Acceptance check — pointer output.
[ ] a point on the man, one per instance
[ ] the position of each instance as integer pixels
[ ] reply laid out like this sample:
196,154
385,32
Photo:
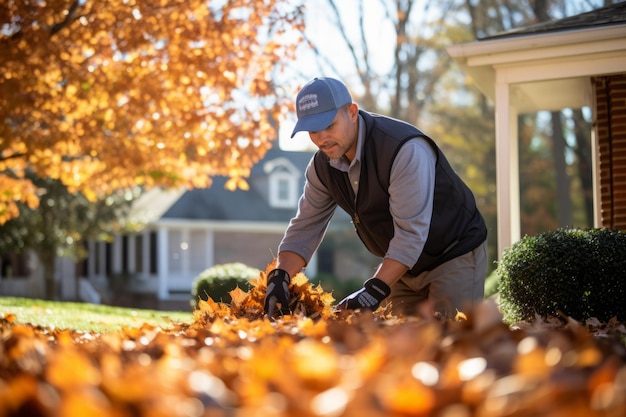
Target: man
407,206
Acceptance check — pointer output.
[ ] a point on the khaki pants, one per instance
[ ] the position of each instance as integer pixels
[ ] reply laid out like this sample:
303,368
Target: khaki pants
457,285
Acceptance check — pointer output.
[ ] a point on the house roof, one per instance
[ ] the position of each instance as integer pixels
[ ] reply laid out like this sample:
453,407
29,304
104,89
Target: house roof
216,203
152,204
611,15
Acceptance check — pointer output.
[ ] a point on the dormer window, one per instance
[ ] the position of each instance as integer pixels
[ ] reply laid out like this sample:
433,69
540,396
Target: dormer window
284,192
283,183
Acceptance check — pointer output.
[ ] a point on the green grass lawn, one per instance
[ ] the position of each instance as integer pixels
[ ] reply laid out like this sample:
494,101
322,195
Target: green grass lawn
84,316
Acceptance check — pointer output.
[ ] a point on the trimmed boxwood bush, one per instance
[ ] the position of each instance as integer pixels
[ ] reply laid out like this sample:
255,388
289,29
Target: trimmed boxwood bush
569,272
217,281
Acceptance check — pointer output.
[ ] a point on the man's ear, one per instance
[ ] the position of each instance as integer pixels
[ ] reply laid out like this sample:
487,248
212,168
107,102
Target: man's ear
353,111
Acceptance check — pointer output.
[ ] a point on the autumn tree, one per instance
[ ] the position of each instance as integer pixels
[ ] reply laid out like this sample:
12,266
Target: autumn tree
61,223
110,95
538,200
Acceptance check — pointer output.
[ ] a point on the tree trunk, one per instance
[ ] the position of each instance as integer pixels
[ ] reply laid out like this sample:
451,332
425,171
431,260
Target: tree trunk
48,264
582,132
564,204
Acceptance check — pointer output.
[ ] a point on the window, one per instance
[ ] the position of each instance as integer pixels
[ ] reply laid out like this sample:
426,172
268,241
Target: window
283,183
197,250
15,265
175,248
284,189
153,252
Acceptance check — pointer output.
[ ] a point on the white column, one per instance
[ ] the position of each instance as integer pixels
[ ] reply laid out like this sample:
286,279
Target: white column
595,165
145,254
185,254
117,254
132,252
209,248
595,175
162,263
507,169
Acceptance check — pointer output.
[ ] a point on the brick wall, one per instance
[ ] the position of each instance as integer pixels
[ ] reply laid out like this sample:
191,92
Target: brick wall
610,99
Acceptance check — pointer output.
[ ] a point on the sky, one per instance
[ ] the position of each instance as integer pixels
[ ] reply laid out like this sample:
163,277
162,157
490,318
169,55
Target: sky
322,29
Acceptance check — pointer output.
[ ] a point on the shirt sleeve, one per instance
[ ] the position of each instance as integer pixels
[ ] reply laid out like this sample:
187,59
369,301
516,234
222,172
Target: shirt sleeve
315,209
411,191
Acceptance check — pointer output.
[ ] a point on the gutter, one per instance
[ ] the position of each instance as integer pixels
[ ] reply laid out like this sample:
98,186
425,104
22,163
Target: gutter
490,47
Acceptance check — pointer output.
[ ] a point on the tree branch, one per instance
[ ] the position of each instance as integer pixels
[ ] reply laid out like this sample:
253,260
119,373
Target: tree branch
69,17
344,35
12,156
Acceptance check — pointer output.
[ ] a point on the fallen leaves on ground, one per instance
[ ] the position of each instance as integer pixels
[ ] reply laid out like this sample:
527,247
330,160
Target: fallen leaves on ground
233,361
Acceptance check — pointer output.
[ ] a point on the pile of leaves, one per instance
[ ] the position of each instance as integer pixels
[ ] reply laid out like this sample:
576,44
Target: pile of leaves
306,300
233,361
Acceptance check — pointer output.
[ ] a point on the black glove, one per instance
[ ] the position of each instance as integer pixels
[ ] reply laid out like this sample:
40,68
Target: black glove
369,297
277,292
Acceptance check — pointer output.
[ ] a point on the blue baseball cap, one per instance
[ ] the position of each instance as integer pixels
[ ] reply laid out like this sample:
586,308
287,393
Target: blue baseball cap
317,104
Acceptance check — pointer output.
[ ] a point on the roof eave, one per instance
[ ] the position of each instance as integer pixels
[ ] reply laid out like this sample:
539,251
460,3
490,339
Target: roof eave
479,59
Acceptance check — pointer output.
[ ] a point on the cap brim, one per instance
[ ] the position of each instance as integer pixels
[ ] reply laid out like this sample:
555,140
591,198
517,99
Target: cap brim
314,122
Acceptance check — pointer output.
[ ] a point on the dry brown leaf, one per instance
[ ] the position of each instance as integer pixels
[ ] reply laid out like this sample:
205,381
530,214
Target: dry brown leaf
233,361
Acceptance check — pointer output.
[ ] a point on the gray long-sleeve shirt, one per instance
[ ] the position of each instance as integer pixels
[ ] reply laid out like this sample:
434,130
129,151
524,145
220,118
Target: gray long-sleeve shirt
411,192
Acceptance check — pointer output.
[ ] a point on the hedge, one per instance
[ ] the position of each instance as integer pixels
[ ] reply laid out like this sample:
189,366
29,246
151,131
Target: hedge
569,272
217,281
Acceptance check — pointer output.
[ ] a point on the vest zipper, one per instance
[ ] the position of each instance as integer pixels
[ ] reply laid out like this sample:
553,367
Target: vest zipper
355,219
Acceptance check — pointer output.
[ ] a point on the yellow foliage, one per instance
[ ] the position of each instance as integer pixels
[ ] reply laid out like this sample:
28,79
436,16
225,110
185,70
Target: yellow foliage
306,301
106,95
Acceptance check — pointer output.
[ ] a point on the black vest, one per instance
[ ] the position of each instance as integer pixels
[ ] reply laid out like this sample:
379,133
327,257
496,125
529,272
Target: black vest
456,227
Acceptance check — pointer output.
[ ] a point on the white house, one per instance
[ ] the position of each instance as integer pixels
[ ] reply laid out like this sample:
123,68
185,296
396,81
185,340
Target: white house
187,231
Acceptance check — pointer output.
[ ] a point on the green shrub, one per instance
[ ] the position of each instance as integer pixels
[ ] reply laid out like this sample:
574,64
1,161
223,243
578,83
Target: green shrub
217,281
569,272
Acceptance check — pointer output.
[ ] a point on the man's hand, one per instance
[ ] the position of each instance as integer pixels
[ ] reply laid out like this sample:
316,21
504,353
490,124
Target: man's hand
277,292
369,297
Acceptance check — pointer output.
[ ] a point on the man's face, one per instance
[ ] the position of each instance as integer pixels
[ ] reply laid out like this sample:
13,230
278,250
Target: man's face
340,137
